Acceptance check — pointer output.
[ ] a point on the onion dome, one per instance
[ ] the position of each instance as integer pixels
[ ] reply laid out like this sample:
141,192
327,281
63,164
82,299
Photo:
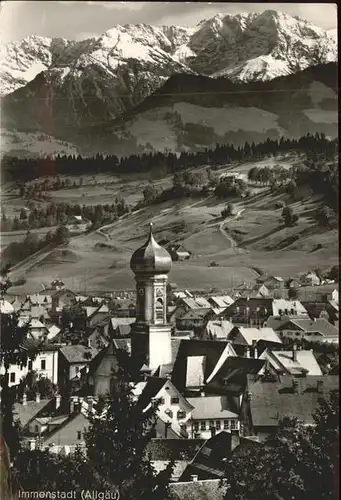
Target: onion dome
151,258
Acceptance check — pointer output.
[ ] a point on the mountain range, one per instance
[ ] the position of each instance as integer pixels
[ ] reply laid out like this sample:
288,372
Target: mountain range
140,87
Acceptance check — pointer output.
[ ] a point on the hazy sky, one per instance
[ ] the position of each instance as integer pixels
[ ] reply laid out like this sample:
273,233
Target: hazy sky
79,20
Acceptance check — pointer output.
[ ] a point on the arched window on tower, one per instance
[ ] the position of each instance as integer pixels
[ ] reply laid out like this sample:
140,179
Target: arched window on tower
159,309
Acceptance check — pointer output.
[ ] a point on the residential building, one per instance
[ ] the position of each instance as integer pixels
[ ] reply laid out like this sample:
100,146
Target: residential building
173,409
295,362
220,303
195,361
211,459
313,330
310,279
266,403
195,319
210,415
72,359
45,363
251,337
178,252
182,451
219,329
272,282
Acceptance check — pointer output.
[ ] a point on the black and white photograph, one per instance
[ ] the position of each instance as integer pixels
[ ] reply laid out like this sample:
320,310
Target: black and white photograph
169,296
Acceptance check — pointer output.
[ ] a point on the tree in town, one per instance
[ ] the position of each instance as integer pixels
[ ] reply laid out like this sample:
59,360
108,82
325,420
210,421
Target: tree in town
298,462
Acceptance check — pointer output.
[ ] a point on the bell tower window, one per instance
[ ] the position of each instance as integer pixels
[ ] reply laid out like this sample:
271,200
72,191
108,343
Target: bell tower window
159,310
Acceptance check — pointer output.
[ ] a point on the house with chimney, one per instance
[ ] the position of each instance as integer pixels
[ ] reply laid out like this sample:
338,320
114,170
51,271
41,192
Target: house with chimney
296,363
218,329
250,312
312,330
243,339
265,403
272,282
310,279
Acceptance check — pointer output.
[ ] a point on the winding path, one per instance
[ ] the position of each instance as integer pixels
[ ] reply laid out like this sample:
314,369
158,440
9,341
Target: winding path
232,242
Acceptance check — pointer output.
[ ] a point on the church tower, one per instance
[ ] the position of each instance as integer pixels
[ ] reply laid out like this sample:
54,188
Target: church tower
151,334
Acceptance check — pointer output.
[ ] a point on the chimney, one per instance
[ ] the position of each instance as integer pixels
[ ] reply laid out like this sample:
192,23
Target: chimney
90,401
24,399
72,404
194,478
319,386
37,397
295,386
58,398
235,439
294,352
167,426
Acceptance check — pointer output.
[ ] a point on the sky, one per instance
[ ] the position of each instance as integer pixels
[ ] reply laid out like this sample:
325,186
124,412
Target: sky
80,20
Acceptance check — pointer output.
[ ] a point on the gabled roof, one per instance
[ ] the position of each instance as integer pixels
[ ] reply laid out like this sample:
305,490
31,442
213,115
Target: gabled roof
109,352
198,490
166,449
251,335
317,325
196,302
78,353
196,314
211,407
221,301
220,329
116,322
305,361
235,370
26,413
65,434
283,305
152,387
272,401
211,350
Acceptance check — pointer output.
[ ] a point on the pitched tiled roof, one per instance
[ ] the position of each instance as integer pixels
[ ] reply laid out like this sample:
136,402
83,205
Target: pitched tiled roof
166,449
25,413
220,329
196,314
109,352
305,361
257,334
198,490
234,372
272,401
78,353
210,349
319,325
211,407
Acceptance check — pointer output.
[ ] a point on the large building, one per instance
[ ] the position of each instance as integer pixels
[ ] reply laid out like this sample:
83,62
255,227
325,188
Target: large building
151,333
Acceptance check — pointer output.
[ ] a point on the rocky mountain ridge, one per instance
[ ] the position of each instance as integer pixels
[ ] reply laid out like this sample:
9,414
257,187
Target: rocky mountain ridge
58,86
